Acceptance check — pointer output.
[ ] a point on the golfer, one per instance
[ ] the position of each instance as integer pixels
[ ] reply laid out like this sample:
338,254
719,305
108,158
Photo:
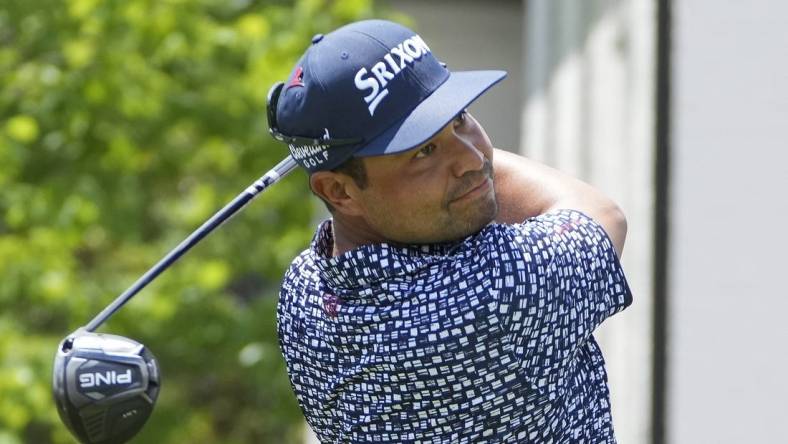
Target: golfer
453,294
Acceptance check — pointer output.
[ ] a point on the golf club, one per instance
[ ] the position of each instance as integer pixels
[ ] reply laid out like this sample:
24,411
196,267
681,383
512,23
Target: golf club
105,386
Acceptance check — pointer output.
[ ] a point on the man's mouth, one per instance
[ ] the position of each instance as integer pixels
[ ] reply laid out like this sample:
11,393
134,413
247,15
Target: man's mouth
478,189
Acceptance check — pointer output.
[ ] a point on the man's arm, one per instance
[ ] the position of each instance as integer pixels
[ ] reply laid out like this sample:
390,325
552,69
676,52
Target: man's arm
526,188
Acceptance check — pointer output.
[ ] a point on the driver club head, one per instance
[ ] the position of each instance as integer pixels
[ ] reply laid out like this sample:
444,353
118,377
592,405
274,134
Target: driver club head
105,386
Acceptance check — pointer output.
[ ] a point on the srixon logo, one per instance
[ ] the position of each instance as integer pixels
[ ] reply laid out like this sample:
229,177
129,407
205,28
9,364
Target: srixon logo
109,377
378,76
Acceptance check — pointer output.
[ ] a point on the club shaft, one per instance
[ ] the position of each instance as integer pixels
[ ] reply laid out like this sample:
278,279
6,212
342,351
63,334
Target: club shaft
271,177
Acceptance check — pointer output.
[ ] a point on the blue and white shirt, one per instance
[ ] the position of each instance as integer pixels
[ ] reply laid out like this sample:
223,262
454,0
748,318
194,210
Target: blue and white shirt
483,340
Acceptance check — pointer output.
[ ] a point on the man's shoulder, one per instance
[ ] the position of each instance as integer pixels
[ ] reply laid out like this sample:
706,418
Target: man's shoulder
551,223
542,235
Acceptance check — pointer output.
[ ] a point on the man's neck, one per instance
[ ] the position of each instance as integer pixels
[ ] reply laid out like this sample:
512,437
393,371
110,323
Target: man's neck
350,233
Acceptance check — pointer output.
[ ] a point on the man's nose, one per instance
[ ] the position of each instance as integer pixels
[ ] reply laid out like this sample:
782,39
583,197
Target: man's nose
465,156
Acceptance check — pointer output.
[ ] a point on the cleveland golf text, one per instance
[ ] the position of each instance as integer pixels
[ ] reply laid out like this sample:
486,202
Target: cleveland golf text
408,52
310,155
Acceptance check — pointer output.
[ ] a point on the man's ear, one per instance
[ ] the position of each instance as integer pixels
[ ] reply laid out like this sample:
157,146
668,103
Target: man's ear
338,190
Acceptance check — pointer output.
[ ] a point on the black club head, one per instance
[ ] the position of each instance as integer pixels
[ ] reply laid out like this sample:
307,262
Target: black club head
105,386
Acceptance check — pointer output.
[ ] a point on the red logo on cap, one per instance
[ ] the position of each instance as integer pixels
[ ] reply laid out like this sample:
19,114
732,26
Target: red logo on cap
298,78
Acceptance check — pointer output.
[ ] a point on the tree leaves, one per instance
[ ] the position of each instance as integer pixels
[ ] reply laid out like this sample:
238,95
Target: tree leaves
123,125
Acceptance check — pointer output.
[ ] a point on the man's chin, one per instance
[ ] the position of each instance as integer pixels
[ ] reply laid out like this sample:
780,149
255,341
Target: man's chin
476,218
455,226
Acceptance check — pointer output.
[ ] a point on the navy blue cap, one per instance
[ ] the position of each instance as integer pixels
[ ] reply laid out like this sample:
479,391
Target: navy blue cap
369,88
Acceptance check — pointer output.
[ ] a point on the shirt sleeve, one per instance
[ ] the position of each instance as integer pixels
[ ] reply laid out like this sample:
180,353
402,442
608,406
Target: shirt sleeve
570,280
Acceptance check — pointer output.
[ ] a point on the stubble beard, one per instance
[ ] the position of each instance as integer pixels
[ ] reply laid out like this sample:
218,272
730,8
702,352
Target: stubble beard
450,221
473,218
464,221
450,225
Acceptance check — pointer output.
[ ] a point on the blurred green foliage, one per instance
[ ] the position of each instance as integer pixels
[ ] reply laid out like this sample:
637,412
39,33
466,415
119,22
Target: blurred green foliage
124,124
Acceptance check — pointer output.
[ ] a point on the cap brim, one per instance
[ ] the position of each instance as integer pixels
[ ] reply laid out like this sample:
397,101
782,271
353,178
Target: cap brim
432,114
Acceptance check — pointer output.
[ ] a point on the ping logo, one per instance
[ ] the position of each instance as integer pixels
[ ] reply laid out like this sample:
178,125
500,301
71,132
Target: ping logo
110,377
407,52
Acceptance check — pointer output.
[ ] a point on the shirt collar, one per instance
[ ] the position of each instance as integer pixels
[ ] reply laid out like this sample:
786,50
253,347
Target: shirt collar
367,264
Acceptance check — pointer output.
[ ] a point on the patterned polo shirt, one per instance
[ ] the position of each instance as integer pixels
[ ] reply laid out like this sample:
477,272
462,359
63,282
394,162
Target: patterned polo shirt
484,340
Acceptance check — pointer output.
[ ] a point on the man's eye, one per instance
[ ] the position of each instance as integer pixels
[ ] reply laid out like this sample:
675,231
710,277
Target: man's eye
425,151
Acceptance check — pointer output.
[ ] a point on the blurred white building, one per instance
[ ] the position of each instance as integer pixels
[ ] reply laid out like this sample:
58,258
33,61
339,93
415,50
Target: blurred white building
679,110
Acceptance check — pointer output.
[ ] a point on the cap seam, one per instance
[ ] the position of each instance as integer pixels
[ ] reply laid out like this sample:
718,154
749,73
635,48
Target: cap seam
314,75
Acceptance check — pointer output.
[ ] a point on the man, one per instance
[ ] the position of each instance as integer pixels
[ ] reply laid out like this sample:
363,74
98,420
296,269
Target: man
453,294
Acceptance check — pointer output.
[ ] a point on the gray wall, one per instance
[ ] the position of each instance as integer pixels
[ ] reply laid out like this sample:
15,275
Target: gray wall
728,344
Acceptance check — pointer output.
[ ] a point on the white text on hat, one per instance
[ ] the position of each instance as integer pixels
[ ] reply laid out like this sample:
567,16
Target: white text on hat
408,51
309,155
